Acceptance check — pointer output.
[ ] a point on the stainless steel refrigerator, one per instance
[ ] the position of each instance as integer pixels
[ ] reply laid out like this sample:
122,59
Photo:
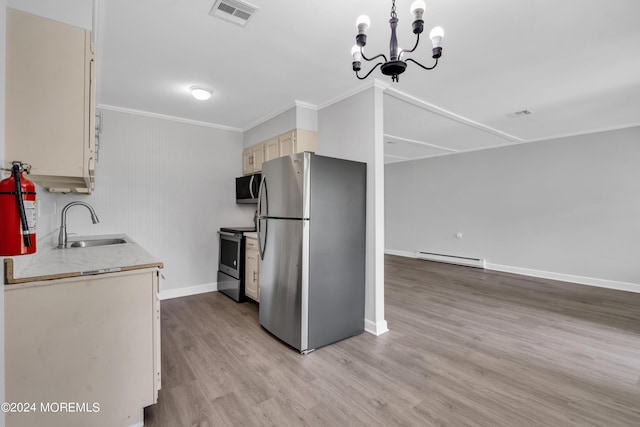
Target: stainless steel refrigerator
311,236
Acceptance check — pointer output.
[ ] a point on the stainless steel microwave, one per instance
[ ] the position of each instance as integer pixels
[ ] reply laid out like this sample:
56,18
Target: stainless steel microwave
247,188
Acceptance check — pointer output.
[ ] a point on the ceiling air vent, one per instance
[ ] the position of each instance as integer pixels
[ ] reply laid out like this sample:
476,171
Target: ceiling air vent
234,11
520,113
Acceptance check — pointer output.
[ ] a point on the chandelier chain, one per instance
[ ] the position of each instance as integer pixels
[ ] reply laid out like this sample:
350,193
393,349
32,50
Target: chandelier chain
393,9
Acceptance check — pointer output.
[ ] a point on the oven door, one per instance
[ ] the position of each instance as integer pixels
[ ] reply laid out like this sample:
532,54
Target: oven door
230,251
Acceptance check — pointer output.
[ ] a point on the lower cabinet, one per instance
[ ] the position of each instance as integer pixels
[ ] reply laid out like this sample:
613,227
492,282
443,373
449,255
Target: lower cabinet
252,269
83,351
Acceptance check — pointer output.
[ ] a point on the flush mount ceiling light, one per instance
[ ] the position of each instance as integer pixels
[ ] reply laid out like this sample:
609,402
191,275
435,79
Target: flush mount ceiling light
395,65
199,93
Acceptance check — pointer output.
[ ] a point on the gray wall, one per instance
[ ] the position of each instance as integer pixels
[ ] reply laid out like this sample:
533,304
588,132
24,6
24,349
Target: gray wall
569,206
168,185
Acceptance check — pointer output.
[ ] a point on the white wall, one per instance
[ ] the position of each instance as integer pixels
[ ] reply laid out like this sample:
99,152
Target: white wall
568,206
72,12
296,117
3,8
274,126
306,118
352,129
170,186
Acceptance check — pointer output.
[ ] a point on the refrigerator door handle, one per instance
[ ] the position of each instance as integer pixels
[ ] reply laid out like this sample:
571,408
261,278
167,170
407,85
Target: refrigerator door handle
263,188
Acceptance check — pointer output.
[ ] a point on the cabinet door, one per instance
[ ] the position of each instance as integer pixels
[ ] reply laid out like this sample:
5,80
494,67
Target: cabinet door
157,362
287,143
91,137
247,161
306,140
48,100
96,337
251,287
258,157
271,149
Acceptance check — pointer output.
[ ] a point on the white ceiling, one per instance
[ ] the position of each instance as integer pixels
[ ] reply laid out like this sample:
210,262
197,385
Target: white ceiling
574,63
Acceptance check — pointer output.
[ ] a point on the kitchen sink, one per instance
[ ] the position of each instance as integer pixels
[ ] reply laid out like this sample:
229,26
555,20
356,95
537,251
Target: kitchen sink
88,243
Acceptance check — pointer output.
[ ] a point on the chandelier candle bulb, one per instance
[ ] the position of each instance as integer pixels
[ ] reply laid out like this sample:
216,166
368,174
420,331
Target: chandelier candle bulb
417,10
355,52
363,22
436,35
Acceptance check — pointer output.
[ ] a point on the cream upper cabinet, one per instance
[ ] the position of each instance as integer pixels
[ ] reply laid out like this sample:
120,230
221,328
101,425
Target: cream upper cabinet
297,141
258,157
50,101
294,141
271,149
287,143
252,159
303,140
252,270
247,161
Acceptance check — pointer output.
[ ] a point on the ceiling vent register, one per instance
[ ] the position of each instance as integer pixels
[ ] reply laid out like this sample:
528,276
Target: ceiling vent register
234,11
520,113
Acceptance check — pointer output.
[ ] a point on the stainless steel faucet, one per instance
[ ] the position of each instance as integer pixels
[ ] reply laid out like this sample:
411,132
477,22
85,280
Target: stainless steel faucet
62,237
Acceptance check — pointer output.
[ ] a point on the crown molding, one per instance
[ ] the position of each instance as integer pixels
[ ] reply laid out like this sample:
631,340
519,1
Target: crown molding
450,115
416,142
306,105
166,117
586,132
375,83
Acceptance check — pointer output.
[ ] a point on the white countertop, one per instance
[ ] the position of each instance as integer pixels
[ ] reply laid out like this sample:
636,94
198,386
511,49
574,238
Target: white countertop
251,235
51,263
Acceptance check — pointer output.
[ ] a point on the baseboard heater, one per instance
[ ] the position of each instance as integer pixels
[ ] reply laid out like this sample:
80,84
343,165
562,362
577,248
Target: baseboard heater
452,259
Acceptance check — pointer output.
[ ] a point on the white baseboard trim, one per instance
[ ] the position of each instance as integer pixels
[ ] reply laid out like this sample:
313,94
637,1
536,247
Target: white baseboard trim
581,280
590,281
374,328
400,253
191,290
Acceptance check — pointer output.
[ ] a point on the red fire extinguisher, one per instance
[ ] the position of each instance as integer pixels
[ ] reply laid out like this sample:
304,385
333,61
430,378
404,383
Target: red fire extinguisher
17,213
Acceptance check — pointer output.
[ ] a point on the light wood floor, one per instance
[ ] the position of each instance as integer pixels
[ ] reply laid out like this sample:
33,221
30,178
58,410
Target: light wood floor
466,347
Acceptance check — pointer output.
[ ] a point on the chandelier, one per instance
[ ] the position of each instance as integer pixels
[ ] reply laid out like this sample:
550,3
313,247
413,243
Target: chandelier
395,65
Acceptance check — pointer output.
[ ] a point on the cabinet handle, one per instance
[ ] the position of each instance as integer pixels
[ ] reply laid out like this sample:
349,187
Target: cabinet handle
254,276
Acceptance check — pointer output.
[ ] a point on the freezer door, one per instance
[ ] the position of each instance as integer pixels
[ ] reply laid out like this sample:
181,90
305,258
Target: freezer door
281,280
337,249
282,194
